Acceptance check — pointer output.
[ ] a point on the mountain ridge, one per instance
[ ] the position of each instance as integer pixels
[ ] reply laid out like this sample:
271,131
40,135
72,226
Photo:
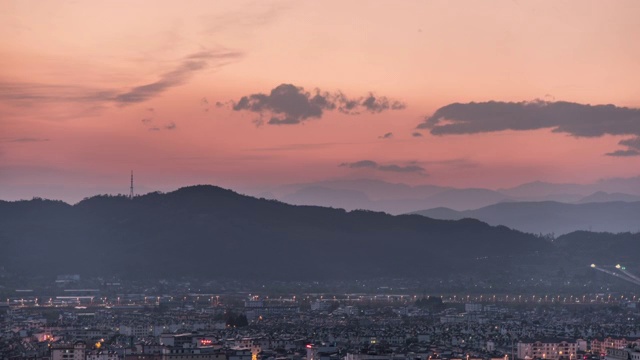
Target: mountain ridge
217,232
551,216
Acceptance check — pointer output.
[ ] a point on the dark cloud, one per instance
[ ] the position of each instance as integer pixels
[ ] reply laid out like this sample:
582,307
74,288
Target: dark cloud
370,164
170,126
580,120
288,104
633,143
388,135
154,128
404,169
622,153
346,105
416,134
361,164
376,105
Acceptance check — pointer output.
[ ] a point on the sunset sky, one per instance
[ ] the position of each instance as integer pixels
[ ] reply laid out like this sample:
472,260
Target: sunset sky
252,94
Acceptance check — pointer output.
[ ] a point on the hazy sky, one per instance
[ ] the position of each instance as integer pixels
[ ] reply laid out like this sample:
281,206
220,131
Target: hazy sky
242,94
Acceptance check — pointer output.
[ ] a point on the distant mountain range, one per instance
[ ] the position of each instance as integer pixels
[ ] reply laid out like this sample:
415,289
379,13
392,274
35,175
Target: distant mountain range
553,217
206,231
401,198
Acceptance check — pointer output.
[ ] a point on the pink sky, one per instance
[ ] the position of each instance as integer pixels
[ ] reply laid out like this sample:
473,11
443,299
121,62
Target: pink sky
62,64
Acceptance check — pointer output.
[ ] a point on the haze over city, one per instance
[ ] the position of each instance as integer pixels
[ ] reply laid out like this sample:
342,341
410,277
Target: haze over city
253,95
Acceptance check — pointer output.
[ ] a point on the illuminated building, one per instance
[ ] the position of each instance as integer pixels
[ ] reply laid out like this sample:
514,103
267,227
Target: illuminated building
552,349
600,346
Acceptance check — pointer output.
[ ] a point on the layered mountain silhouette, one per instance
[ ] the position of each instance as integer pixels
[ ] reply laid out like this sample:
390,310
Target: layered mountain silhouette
211,232
409,199
396,198
552,217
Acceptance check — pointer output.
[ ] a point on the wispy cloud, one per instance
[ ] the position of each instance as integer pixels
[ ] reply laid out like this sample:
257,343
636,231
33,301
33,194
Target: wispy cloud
151,123
178,76
301,146
204,104
456,163
580,120
288,104
33,94
388,135
251,17
25,140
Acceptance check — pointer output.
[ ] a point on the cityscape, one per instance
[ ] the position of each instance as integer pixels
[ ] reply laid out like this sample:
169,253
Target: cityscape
319,180
191,319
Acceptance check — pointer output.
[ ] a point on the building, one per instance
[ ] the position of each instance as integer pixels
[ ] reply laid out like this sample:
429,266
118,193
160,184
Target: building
469,307
199,353
552,349
75,351
623,354
600,346
101,355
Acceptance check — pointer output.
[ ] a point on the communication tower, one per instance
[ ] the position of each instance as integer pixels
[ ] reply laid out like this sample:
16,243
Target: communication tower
131,188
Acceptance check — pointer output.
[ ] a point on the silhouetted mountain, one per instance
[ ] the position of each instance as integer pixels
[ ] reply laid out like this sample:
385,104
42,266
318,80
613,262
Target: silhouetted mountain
213,232
541,189
366,194
601,248
321,196
602,196
551,217
624,185
461,199
395,198
350,199
382,196
375,190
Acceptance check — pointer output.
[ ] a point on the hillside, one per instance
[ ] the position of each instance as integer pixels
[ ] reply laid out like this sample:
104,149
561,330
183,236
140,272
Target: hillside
208,231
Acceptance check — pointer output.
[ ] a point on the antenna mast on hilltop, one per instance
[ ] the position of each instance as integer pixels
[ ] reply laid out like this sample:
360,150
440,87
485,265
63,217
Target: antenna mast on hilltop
131,188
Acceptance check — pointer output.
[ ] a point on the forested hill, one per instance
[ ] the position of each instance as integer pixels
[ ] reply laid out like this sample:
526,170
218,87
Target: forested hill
209,231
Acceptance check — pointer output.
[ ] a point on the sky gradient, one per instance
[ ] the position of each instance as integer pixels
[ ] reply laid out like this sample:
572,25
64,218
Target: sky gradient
250,94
